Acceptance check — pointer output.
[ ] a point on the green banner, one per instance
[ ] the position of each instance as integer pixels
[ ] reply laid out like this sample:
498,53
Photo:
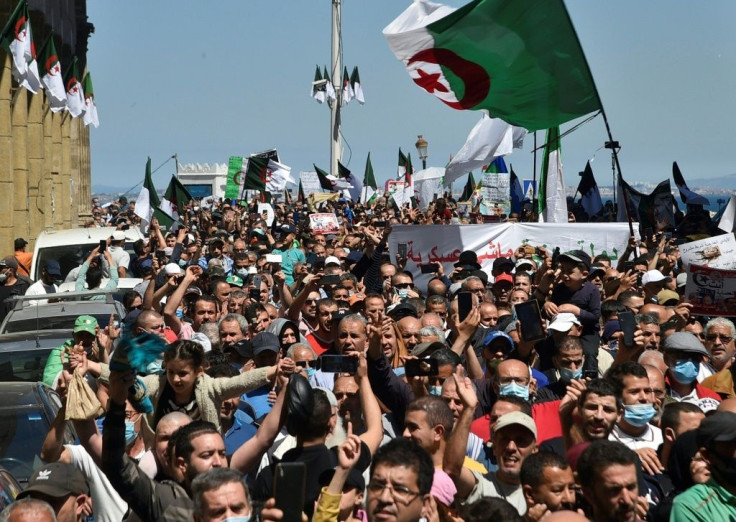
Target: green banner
234,177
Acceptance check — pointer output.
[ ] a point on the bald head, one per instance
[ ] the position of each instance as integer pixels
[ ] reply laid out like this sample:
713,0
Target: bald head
656,310
565,516
431,319
653,358
409,329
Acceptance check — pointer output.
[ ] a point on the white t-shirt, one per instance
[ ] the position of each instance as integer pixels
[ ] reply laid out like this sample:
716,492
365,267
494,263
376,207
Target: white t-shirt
120,257
39,288
651,438
106,503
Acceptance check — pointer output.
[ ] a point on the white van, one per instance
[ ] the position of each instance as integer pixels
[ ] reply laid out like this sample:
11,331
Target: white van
70,247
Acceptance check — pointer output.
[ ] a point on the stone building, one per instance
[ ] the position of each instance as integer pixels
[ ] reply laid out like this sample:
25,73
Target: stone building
45,178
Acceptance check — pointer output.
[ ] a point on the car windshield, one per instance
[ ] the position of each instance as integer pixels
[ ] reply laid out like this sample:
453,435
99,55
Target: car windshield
23,365
22,432
69,256
60,322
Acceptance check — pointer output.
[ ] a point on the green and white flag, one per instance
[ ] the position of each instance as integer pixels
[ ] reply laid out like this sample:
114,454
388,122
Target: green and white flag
51,76
74,92
347,88
401,170
277,177
147,204
552,202
519,60
357,86
369,193
318,91
17,39
90,107
175,200
329,87
235,175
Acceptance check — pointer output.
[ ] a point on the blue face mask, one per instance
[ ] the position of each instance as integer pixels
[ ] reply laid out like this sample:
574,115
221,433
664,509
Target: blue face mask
403,293
514,389
685,371
237,519
182,263
155,367
638,415
179,313
130,434
310,373
435,390
567,375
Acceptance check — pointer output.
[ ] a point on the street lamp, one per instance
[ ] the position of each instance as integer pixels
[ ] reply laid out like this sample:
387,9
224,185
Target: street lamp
421,146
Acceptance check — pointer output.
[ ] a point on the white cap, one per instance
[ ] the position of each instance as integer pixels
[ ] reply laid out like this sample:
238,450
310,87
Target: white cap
332,260
118,235
173,269
654,276
563,322
202,340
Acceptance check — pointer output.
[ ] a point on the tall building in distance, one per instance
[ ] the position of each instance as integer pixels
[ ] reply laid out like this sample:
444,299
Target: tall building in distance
45,176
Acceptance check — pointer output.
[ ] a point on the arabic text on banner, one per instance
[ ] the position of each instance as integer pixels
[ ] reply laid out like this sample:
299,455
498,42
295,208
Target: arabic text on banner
711,291
714,252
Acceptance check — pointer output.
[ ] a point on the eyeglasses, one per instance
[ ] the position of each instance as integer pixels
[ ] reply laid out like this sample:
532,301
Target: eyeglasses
725,339
159,327
403,285
306,364
400,493
311,301
345,395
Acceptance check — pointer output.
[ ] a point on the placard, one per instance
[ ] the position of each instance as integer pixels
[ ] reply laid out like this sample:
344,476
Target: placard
324,223
713,252
711,291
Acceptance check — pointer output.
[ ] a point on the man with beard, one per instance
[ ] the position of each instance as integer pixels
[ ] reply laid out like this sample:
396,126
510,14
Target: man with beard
204,310
322,338
568,365
303,309
233,328
548,483
598,406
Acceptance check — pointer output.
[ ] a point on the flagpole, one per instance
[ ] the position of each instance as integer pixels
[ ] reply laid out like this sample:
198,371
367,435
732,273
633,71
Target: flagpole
335,145
534,174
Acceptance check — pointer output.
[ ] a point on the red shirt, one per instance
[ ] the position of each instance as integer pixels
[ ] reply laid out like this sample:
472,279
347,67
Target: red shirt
318,345
546,416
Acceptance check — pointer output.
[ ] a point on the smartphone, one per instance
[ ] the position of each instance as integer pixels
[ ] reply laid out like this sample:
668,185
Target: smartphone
421,368
257,280
288,489
103,245
327,280
530,320
628,326
464,305
338,364
555,255
667,235
380,224
430,268
274,258
402,250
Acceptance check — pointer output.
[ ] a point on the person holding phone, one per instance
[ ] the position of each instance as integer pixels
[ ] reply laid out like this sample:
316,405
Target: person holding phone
90,274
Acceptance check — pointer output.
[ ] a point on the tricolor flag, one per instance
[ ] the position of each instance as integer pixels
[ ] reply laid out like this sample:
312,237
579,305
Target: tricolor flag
401,171
329,87
51,75
175,200
17,39
300,194
370,186
357,86
357,186
147,204
552,204
347,89
318,91
688,196
74,92
590,196
277,177
409,182
324,179
519,60
90,107
256,174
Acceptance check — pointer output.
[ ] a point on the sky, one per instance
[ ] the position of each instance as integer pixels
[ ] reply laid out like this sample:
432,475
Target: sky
210,80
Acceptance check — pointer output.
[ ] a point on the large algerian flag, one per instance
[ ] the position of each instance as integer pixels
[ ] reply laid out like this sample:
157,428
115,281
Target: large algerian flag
16,39
552,203
51,75
653,210
369,192
688,196
329,87
520,60
74,92
277,177
347,88
357,86
147,204
356,186
318,91
590,195
90,107
175,200
324,179
256,174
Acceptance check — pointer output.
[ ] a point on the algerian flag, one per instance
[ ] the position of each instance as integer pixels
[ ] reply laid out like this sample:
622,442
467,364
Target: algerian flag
235,175
688,196
31,80
175,200
325,182
51,75
16,39
74,93
408,182
356,186
552,204
401,171
90,107
369,192
147,204
329,87
520,60
347,89
489,139
256,174
357,86
278,176
318,91
300,194
590,196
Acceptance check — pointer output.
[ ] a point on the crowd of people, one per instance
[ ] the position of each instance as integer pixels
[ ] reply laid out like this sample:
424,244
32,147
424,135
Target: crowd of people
267,371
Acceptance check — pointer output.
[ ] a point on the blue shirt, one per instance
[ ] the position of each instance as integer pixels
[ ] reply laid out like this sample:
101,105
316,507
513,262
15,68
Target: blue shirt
239,433
258,399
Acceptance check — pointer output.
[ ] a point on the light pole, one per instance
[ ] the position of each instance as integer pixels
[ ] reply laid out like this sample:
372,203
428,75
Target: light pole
422,146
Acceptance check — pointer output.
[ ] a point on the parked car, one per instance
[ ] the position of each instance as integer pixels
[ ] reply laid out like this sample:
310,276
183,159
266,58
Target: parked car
26,413
23,355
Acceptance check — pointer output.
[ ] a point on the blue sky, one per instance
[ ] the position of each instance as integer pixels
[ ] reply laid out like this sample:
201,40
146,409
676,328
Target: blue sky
208,80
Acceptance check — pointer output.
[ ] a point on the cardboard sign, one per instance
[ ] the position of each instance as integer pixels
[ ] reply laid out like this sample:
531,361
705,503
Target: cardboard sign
324,223
711,291
713,252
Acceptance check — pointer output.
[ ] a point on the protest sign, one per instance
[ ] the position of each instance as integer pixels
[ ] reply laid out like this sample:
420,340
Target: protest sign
324,223
495,191
310,182
713,252
711,291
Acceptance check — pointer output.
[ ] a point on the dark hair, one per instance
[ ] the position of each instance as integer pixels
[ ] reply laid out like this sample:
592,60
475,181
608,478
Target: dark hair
647,319
93,277
405,453
600,455
207,298
436,299
601,257
214,282
569,342
213,479
532,469
318,423
437,410
418,303
626,295
325,302
490,508
185,351
138,247
180,443
628,368
602,388
221,369
128,298
445,356
524,405
671,414
611,307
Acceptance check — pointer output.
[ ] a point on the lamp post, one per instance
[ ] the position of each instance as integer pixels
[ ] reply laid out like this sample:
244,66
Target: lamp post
422,146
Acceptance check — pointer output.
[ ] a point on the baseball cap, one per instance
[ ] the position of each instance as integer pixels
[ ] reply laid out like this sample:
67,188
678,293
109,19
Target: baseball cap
202,340
244,348
525,262
235,280
85,323
654,276
576,256
515,417
503,261
429,347
494,335
53,268
563,322
684,342
10,262
264,341
401,310
681,280
56,480
718,427
668,298
173,269
443,488
597,268
468,259
354,480
503,278
332,260
118,235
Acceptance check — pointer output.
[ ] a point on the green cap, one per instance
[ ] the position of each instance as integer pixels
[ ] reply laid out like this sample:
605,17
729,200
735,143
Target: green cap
85,323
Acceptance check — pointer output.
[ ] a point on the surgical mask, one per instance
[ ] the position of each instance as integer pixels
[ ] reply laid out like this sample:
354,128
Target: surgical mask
179,313
514,389
403,293
435,390
310,373
237,519
685,371
182,263
638,415
567,375
130,434
242,272
155,367
3,277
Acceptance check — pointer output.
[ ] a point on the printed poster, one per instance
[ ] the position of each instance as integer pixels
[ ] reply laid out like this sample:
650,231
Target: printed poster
711,291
